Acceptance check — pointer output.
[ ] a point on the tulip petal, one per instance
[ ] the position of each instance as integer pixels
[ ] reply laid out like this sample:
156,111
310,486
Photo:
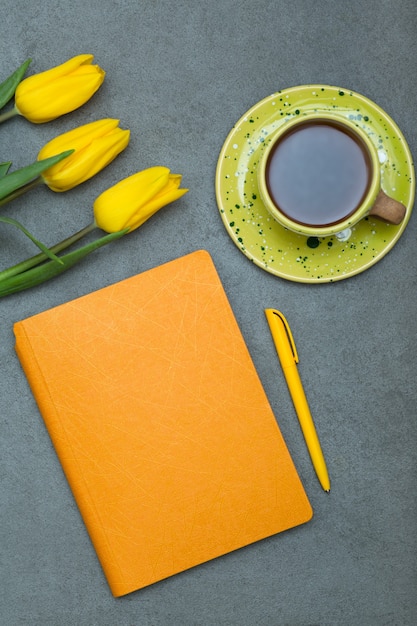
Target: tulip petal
152,207
64,88
135,199
64,69
114,207
63,95
86,163
78,137
94,146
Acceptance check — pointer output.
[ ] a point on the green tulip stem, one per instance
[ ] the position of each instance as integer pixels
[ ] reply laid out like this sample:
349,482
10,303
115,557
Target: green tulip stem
41,273
41,246
8,114
19,192
27,264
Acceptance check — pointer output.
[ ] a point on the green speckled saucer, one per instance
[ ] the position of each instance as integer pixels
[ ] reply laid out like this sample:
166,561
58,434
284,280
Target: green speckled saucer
270,245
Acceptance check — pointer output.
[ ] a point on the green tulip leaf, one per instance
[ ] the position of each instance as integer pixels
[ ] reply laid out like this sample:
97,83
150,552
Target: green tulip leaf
39,258
4,168
8,87
41,246
50,269
11,182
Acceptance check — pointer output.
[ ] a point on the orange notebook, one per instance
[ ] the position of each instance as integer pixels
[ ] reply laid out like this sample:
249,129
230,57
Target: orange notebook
160,422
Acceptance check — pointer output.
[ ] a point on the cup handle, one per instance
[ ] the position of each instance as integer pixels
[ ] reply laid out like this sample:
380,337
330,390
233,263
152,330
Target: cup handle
388,209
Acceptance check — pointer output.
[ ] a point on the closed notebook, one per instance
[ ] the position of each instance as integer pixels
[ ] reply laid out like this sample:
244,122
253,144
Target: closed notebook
160,422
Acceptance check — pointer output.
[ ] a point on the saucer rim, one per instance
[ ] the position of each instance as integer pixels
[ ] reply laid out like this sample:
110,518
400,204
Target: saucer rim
250,113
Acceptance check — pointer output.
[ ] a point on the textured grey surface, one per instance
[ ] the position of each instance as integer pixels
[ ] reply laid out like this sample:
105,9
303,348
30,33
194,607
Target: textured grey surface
179,75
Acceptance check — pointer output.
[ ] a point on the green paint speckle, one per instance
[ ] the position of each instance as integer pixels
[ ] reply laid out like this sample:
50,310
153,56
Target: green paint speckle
313,242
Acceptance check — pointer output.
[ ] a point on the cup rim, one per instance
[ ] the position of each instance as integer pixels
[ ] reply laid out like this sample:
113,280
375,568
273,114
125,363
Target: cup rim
367,201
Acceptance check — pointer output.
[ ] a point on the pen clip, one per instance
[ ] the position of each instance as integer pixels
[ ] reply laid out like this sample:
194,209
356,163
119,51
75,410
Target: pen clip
289,334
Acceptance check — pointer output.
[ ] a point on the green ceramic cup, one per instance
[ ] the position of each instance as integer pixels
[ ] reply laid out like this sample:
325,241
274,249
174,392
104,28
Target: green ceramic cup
320,174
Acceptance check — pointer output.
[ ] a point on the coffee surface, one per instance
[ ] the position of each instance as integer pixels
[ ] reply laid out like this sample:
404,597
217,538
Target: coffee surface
318,174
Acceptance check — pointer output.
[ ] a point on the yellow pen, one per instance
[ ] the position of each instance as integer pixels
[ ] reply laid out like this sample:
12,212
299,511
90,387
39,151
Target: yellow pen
288,357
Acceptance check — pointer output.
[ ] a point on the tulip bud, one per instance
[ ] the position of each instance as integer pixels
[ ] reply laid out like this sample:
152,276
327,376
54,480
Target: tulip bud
132,201
47,95
94,146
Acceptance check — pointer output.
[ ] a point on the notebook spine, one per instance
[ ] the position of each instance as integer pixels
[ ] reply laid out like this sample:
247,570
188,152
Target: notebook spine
57,434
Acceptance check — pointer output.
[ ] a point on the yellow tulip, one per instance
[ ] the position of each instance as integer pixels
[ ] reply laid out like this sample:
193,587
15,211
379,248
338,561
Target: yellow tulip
47,95
132,201
95,145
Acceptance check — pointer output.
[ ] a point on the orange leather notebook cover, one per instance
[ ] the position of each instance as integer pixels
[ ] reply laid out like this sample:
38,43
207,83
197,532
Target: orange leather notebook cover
160,422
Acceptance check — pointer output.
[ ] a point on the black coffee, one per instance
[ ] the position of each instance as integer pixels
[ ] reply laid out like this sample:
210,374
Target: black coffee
318,173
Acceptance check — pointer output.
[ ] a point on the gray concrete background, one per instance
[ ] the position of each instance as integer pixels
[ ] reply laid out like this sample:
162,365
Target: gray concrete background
179,75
